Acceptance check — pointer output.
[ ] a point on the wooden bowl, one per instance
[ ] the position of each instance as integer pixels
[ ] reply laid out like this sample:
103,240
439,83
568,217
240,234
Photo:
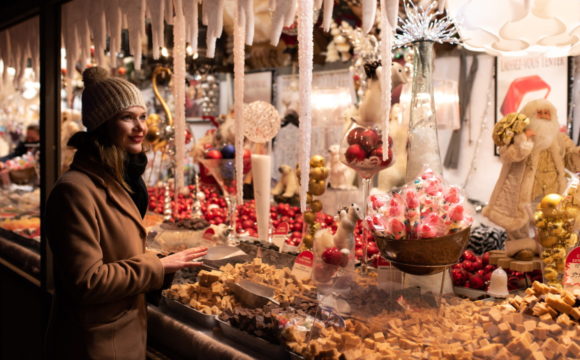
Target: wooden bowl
424,256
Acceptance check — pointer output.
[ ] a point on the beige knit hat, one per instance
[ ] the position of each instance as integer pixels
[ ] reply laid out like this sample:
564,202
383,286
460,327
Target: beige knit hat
104,97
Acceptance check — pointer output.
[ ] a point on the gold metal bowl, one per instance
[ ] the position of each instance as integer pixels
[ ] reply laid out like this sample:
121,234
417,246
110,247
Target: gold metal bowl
424,256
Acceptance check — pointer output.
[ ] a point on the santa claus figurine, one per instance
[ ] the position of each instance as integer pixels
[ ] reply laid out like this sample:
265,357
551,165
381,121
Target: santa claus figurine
534,154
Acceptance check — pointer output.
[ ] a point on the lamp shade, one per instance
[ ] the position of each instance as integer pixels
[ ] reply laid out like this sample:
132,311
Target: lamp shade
515,27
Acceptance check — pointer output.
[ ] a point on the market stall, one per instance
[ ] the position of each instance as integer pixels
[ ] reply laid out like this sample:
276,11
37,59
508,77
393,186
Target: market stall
373,179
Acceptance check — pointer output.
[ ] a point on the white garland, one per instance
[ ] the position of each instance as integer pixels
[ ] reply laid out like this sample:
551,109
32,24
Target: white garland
305,58
179,93
239,64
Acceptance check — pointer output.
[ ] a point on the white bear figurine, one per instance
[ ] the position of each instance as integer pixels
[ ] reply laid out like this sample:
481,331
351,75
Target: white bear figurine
341,176
288,185
344,236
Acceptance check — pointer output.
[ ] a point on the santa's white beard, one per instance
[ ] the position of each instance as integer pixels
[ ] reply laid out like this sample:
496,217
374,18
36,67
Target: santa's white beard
545,131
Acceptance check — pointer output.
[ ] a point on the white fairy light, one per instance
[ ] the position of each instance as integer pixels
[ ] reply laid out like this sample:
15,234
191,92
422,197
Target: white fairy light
422,24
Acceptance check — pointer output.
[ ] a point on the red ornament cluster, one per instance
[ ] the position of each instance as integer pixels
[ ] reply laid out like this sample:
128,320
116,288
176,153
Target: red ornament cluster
367,144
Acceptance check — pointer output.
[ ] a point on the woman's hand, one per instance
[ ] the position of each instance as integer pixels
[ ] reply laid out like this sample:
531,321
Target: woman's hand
183,259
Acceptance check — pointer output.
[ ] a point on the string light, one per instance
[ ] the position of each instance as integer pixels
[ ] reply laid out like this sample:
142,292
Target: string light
423,24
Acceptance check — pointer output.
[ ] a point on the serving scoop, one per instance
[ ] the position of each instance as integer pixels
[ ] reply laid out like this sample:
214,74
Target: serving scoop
252,294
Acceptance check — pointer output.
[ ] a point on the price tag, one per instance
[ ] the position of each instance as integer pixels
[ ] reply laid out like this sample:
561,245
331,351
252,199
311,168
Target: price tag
572,270
280,235
303,265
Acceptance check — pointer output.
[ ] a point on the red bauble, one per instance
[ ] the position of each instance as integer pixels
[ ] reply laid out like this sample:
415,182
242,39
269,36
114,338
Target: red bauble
355,136
469,255
485,259
355,153
333,256
476,282
370,140
213,154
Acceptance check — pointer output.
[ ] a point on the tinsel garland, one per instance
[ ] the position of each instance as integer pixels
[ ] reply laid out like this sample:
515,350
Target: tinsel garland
179,93
239,61
305,58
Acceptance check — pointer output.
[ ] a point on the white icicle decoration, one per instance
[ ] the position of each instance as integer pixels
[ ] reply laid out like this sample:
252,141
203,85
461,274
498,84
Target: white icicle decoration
115,25
305,58
239,60
213,18
98,28
369,10
327,19
190,11
385,75
283,14
179,93
156,13
136,27
247,12
169,11
71,16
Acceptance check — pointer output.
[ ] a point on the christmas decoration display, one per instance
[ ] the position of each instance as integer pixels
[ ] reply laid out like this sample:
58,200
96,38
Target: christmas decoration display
288,186
534,165
316,186
554,220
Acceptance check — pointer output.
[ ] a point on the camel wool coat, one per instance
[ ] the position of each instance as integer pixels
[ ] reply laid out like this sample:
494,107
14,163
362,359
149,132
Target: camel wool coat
101,270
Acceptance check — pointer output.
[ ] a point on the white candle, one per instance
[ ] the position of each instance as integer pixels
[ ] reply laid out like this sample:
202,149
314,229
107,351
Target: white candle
262,174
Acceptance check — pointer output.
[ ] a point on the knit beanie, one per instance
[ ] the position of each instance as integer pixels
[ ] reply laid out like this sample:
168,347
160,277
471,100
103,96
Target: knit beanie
104,97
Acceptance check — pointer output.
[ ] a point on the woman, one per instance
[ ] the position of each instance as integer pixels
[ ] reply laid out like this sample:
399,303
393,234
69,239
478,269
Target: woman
95,231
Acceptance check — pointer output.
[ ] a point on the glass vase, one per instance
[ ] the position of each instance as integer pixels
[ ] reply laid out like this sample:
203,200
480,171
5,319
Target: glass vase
423,145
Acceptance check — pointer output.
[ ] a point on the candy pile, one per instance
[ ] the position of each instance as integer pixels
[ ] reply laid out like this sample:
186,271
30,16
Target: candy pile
426,208
20,162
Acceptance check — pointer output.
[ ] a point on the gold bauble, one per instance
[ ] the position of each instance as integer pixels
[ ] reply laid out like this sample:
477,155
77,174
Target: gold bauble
550,202
316,206
560,266
571,212
319,173
307,240
316,187
309,217
540,224
308,198
548,241
572,240
550,273
316,161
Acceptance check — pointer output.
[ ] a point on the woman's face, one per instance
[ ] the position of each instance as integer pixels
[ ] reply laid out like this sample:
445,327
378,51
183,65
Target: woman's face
128,129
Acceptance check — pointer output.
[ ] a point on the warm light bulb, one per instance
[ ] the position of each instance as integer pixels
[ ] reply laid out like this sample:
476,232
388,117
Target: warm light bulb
189,50
164,52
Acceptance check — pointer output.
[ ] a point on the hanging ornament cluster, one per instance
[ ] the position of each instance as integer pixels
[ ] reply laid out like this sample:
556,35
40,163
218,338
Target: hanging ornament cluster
209,91
18,44
316,186
554,220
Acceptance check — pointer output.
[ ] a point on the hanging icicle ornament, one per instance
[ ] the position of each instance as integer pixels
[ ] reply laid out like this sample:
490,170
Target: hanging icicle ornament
136,27
389,11
18,45
179,92
190,11
213,18
156,9
425,24
114,16
327,6
305,58
283,14
369,10
239,69
98,29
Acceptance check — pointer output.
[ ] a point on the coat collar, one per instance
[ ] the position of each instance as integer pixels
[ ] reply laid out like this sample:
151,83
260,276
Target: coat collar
118,195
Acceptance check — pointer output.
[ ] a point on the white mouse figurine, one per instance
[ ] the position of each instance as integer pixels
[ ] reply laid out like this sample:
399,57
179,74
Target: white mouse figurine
344,236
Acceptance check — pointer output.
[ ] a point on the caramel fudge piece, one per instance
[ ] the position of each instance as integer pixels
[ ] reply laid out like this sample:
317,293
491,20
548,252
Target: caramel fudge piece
206,278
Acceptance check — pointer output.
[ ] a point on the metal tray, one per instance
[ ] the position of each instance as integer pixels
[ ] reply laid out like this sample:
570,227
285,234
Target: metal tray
187,314
251,341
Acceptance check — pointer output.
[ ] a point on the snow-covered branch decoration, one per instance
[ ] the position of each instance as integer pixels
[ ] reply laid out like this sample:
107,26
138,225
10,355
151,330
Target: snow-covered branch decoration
239,64
213,18
305,58
423,24
179,92
283,14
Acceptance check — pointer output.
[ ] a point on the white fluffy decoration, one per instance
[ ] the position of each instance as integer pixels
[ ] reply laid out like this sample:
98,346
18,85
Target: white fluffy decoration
179,93
213,18
239,61
283,14
305,58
